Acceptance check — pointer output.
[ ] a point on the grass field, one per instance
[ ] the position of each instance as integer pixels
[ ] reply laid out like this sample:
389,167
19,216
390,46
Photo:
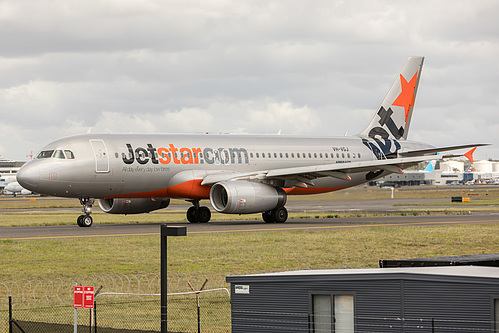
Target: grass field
236,252
240,252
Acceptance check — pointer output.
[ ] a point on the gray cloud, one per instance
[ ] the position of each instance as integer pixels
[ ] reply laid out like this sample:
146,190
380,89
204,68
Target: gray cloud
318,68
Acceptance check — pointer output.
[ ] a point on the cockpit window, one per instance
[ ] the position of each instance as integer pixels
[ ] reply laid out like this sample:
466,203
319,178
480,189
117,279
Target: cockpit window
62,154
45,154
69,154
59,154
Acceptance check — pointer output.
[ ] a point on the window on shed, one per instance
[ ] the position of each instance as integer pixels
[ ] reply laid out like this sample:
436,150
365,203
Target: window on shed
321,309
496,315
343,313
333,313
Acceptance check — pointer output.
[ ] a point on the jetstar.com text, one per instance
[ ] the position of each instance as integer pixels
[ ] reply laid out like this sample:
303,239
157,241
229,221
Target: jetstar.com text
183,155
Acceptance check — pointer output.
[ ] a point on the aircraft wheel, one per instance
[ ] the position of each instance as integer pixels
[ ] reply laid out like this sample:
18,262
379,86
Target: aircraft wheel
86,221
267,217
79,220
280,215
203,214
191,215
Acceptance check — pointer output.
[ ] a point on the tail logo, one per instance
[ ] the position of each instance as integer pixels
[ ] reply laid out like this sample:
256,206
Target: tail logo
406,97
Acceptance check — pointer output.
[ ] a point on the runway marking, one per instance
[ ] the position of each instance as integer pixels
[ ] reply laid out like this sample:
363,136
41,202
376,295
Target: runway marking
78,236
255,230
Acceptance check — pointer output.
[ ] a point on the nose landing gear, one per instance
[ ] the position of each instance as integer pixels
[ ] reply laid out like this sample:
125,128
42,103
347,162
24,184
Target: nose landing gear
86,220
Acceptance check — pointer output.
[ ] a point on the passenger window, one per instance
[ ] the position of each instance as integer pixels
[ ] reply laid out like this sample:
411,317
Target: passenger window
348,155
292,155
309,155
275,155
280,154
45,154
251,155
337,155
269,155
343,155
70,156
359,155
257,155
315,155
287,155
320,155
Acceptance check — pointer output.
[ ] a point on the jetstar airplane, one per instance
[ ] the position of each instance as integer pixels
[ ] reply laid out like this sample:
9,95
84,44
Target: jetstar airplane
240,174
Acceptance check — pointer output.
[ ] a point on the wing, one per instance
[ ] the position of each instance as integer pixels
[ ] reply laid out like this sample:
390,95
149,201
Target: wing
304,176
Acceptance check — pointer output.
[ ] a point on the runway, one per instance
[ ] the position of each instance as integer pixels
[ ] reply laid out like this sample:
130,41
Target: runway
153,229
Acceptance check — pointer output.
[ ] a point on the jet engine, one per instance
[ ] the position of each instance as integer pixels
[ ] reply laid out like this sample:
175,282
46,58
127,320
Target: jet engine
239,197
132,206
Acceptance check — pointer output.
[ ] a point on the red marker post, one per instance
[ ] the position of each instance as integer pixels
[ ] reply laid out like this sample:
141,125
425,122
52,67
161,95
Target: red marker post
88,297
77,296
83,297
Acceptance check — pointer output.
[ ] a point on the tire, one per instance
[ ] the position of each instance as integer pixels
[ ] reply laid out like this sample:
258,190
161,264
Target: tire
191,215
267,217
87,221
78,221
203,214
280,215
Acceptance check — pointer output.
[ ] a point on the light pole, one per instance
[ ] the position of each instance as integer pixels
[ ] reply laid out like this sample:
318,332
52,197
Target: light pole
165,232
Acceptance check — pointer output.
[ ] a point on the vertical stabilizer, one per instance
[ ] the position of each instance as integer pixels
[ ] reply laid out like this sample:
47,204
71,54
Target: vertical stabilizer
393,117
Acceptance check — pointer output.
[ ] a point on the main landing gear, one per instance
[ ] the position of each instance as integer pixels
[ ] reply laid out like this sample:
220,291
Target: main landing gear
197,214
278,215
86,220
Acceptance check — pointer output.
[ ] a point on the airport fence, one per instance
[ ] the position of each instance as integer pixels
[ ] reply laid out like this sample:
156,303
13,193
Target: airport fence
126,303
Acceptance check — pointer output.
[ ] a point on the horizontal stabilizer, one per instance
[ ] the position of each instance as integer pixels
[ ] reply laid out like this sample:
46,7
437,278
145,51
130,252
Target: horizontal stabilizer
433,151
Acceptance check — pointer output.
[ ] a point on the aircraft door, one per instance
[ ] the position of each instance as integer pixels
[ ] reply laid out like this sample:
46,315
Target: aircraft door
101,155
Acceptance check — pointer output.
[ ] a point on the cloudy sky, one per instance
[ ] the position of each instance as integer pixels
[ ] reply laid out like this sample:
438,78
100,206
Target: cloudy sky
301,67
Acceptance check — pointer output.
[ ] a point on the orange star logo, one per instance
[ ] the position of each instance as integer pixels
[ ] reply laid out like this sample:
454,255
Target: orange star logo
406,97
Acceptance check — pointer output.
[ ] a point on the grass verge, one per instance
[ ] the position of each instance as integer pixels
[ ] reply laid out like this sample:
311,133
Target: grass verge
240,252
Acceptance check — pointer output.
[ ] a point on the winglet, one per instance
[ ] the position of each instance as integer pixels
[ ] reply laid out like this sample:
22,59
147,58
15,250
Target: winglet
469,155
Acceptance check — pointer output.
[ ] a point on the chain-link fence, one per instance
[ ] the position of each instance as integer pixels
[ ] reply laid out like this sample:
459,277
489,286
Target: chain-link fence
128,303
187,312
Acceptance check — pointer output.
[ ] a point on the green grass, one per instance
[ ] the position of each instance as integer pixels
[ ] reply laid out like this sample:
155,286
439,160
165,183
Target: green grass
240,252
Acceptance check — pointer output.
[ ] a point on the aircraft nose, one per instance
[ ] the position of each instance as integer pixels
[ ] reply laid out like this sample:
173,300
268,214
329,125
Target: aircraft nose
28,177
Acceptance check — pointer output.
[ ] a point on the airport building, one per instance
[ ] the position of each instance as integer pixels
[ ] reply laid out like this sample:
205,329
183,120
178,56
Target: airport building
451,172
8,171
403,299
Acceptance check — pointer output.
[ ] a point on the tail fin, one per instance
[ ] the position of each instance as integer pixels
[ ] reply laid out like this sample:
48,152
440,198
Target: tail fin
430,166
394,115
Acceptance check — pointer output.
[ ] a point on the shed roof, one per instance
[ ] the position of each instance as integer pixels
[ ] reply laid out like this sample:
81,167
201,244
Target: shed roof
460,272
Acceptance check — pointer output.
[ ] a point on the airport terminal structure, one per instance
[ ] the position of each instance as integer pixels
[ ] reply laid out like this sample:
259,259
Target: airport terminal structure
450,172
8,171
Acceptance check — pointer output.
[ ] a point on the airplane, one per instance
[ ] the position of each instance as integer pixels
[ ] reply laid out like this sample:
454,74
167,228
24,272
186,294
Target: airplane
239,174
14,188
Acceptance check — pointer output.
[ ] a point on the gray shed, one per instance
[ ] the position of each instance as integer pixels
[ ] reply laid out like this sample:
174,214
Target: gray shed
422,299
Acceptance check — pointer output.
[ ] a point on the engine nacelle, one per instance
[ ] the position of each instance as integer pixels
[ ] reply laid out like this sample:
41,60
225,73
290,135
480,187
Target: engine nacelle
132,206
238,197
